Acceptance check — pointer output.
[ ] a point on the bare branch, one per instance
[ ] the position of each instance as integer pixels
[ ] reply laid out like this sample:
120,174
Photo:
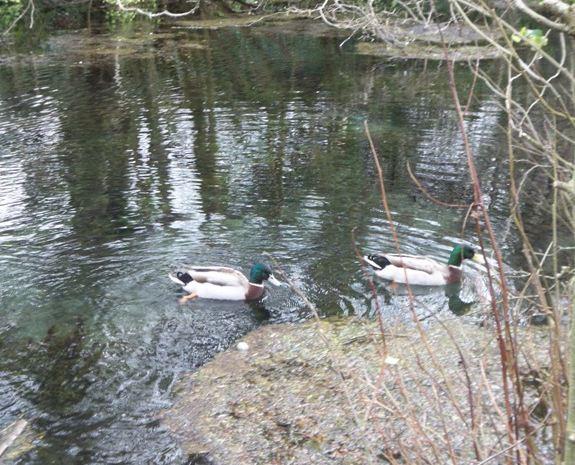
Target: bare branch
149,14
557,6
30,6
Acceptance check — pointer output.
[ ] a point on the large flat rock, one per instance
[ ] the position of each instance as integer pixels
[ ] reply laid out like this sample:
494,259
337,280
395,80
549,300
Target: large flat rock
332,392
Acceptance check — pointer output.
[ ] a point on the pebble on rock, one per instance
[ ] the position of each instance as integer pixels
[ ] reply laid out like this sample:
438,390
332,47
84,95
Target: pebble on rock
243,346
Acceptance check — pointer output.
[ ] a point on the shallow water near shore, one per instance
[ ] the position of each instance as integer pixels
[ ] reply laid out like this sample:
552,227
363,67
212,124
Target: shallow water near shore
122,157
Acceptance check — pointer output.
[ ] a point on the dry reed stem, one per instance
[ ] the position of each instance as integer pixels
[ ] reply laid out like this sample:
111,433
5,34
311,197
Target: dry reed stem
507,345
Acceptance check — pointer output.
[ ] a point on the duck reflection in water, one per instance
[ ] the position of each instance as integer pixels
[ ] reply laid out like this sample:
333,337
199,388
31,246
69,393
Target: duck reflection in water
454,302
461,298
259,310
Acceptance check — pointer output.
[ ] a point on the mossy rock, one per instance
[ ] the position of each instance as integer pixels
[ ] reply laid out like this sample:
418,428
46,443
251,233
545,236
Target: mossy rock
323,392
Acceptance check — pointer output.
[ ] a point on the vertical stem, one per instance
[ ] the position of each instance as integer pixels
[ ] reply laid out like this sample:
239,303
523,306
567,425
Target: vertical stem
504,351
90,16
557,367
569,457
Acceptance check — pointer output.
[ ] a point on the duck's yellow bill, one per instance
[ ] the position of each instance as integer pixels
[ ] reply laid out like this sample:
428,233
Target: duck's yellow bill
478,258
272,279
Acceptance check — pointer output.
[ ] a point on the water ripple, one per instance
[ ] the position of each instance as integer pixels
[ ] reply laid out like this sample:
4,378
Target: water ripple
119,163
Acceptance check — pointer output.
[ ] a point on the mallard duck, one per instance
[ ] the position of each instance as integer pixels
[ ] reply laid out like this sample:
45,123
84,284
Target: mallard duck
421,270
218,282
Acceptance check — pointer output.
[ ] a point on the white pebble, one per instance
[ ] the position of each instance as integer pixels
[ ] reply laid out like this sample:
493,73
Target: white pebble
243,346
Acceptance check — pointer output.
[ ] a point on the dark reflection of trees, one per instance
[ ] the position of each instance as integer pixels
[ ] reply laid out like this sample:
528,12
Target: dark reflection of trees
59,369
103,131
153,189
94,154
198,87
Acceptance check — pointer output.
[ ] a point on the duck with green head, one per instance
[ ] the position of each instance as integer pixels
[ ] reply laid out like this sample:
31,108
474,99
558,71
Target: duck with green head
218,282
421,270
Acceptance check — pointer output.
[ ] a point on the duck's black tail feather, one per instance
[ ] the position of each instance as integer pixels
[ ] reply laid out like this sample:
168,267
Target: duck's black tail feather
184,277
379,260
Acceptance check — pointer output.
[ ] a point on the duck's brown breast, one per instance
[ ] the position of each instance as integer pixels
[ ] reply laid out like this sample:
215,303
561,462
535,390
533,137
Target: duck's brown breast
454,275
254,292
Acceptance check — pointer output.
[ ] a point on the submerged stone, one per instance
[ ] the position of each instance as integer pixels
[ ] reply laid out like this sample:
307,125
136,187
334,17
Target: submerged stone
421,51
15,440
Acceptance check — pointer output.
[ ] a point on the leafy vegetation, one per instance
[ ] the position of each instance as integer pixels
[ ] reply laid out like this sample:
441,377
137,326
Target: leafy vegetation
9,11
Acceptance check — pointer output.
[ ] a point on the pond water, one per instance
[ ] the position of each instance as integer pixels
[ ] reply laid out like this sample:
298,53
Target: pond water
124,155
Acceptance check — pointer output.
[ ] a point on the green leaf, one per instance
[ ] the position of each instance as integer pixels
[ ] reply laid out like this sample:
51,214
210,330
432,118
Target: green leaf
535,37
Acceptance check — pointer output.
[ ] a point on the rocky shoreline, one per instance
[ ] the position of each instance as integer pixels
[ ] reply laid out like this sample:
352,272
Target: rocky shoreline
336,391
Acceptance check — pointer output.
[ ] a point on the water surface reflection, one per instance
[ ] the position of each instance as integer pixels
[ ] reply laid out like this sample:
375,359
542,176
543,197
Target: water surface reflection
120,161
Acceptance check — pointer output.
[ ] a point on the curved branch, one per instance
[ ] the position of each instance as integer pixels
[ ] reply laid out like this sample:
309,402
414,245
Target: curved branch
149,14
30,6
555,6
